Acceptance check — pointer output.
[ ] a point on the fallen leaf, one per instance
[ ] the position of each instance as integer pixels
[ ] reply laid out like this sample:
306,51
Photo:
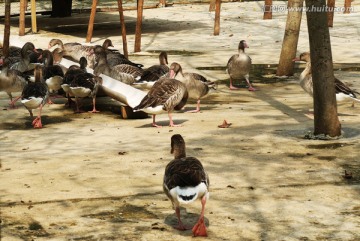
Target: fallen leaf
225,124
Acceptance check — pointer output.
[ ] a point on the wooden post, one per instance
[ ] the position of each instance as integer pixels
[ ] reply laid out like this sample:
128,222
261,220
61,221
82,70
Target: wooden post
212,6
140,6
91,21
6,41
330,14
347,5
217,17
123,28
22,18
268,9
33,16
162,3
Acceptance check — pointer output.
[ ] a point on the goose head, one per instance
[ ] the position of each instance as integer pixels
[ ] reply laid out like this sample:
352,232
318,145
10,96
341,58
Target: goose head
303,57
243,45
178,146
83,63
27,49
54,42
175,68
107,43
47,58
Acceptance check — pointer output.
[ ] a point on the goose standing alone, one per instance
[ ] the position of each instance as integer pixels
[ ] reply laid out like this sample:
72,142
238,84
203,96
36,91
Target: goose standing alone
35,95
239,66
11,81
197,85
185,181
165,95
342,91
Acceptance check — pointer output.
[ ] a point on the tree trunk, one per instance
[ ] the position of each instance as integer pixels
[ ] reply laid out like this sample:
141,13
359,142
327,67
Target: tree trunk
326,121
268,9
331,6
6,41
212,6
291,37
347,6
217,17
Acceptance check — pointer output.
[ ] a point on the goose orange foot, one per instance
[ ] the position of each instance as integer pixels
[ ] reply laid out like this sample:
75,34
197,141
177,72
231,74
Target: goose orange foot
37,123
199,229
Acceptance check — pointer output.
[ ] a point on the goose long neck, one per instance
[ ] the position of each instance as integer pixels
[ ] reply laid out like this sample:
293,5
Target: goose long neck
179,152
306,71
38,75
102,59
163,60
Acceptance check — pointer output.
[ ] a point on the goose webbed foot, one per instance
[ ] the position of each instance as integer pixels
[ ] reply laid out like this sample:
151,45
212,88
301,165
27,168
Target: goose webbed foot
252,89
199,228
37,123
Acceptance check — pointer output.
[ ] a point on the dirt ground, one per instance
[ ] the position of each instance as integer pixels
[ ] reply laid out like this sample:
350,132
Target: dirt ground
99,176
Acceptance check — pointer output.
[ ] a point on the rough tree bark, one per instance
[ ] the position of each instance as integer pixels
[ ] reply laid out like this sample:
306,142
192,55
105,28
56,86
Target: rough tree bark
326,121
331,6
6,41
268,9
291,37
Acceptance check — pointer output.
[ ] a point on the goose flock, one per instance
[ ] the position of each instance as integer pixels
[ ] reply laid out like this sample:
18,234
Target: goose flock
168,86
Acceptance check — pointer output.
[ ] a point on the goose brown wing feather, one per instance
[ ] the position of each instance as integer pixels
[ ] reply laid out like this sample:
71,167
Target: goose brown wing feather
187,171
340,87
85,80
167,92
37,89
